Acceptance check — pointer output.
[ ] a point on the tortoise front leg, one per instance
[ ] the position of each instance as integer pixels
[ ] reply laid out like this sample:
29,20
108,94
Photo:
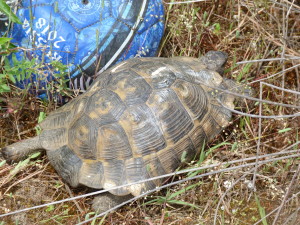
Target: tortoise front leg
22,149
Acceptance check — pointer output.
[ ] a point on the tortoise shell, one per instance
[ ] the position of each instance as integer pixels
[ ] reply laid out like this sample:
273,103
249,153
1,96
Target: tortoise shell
140,119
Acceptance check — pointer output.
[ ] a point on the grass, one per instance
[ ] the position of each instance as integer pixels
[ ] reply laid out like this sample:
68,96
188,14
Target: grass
246,30
262,211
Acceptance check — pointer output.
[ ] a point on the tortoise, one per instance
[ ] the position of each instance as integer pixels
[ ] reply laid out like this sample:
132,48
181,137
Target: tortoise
136,121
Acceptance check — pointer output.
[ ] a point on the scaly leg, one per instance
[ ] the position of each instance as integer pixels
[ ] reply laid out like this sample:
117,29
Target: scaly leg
106,201
22,149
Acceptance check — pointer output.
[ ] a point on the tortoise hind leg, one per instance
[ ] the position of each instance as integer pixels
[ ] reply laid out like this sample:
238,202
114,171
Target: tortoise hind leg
103,202
22,149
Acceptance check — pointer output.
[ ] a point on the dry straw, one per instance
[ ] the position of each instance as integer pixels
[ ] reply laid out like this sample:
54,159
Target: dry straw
265,38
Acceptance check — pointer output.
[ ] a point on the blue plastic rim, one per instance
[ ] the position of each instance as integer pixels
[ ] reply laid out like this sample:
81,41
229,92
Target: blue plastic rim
87,35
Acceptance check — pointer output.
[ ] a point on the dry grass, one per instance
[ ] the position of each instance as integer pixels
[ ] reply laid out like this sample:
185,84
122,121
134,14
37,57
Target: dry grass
246,30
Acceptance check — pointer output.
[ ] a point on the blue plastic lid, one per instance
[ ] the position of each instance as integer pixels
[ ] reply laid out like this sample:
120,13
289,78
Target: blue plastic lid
87,35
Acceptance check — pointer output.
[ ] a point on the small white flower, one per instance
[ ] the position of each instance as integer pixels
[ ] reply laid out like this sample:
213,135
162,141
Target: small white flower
250,185
227,184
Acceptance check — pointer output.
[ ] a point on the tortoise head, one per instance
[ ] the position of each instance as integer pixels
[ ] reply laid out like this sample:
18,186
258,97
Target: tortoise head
215,61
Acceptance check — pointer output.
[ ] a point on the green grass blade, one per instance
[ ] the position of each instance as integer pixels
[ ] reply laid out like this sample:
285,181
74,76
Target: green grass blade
2,163
183,190
4,40
261,210
7,11
178,202
284,130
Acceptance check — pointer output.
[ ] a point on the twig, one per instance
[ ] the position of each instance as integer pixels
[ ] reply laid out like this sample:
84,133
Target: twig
273,211
184,2
176,182
267,60
227,190
167,185
72,196
258,116
286,194
259,135
293,217
21,180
